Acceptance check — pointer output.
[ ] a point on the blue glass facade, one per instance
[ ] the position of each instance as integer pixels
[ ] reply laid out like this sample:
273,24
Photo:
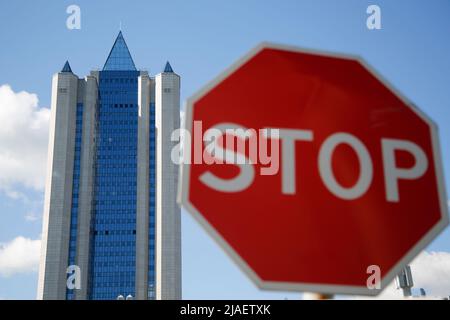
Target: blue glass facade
112,251
114,226
75,188
152,206
119,58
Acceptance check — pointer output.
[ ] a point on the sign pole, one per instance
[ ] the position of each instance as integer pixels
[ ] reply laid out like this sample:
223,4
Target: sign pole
317,296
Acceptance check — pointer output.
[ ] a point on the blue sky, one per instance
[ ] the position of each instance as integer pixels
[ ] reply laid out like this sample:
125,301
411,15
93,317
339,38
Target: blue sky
200,39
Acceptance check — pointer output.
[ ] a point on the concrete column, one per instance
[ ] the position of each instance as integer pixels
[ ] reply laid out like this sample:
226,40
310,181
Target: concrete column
142,206
168,214
58,192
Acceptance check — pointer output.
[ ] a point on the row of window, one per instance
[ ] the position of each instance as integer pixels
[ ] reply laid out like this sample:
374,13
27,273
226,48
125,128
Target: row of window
116,249
114,265
110,274
116,209
113,284
115,114
116,165
118,80
118,194
119,140
120,122
114,157
119,221
105,94
126,253
119,131
123,194
123,178
114,232
122,174
116,147
115,183
101,242
118,202
112,294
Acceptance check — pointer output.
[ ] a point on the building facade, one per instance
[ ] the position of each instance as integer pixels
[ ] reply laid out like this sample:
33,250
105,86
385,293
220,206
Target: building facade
111,223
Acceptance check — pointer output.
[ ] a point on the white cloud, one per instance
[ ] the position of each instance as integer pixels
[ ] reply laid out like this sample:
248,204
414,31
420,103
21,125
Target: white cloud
23,141
21,255
32,216
431,271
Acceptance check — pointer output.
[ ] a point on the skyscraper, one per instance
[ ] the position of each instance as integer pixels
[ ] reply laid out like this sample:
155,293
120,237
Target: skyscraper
110,207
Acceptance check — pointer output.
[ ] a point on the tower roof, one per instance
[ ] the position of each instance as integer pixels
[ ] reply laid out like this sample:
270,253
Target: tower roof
66,67
119,57
168,67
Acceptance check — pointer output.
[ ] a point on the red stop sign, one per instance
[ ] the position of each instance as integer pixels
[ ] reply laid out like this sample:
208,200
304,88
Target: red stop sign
354,181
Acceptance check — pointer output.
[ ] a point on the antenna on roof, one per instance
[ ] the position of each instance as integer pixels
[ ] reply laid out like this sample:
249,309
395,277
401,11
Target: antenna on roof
120,26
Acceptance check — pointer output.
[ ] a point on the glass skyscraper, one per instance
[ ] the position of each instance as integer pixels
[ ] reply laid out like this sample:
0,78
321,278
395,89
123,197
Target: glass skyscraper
111,223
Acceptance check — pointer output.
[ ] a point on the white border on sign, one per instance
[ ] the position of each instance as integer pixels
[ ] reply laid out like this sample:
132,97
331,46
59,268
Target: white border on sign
183,187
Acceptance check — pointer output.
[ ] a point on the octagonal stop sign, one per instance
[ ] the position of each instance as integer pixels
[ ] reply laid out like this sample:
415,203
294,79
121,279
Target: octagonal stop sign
351,179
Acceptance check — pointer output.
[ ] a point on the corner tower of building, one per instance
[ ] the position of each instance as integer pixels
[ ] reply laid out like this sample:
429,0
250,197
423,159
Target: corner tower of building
168,227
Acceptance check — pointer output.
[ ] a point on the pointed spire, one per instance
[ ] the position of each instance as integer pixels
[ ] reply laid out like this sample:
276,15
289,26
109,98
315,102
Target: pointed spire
119,57
168,67
66,67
